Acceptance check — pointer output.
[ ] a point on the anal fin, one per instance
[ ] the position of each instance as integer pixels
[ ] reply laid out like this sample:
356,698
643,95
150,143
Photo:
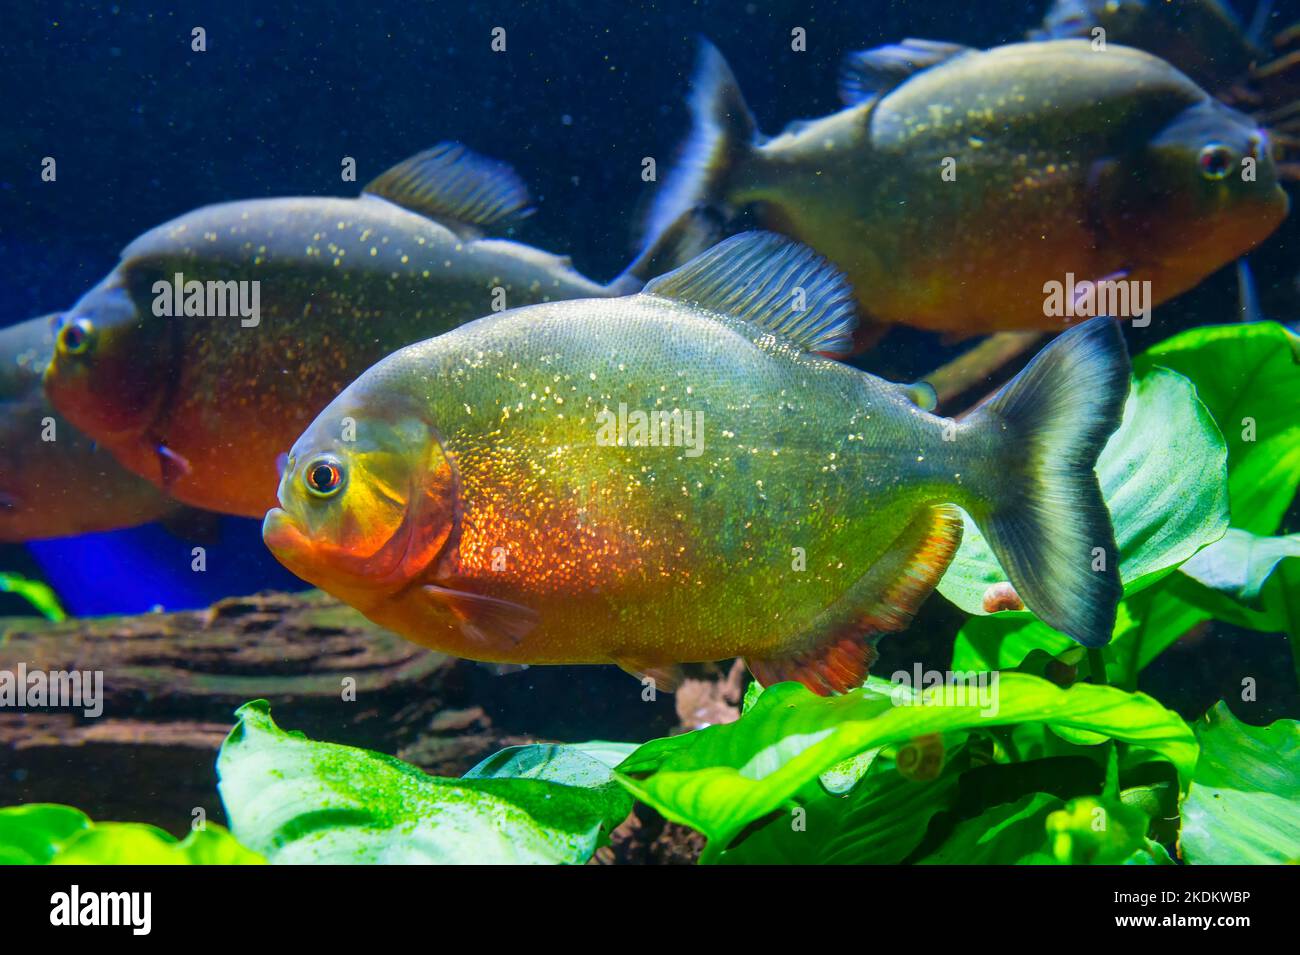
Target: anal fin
883,601
830,667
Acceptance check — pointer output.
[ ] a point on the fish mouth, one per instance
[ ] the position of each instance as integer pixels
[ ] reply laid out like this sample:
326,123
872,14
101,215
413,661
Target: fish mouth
282,537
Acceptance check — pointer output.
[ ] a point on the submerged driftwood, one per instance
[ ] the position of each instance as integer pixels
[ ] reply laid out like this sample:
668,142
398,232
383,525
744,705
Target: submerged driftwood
171,684
172,681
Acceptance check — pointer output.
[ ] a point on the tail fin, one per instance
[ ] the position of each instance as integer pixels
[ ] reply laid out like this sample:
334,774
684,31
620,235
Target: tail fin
1045,518
723,133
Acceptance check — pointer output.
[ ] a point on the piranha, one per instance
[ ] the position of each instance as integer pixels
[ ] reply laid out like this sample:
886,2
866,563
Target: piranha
54,482
959,184
1202,38
1206,41
525,489
221,334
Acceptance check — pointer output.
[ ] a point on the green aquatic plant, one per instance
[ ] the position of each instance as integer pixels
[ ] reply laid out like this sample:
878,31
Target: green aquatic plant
50,834
1031,750
1242,805
39,595
297,800
758,770
799,778
1248,376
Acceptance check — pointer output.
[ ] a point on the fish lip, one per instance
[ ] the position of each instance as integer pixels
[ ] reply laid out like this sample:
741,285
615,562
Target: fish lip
313,562
282,537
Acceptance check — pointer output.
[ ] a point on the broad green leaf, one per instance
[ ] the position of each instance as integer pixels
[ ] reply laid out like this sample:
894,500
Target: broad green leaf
720,779
1243,806
1247,581
32,834
1013,833
1042,829
1003,641
574,766
842,777
1146,624
297,800
1153,853
41,833
1163,475
1153,621
1241,563
1248,375
880,821
132,843
609,753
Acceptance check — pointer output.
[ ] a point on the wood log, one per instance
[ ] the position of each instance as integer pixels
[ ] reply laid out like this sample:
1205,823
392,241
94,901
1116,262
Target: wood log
172,681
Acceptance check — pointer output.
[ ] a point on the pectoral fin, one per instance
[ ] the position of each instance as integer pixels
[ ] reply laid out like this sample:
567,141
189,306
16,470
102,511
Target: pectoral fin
171,465
1247,294
693,232
493,624
666,677
503,669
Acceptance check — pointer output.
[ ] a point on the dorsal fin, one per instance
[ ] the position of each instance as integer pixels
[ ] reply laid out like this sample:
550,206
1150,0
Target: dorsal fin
871,73
772,281
455,186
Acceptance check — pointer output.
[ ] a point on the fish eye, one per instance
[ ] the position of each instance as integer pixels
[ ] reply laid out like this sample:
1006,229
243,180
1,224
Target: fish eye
1216,161
74,337
324,477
